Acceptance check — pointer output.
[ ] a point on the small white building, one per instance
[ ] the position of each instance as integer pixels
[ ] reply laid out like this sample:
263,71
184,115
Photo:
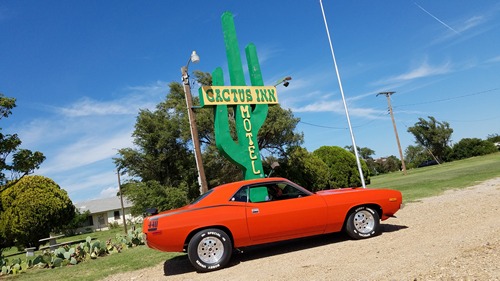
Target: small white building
105,212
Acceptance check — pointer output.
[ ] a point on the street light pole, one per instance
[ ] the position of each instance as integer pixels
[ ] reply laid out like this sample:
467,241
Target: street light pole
388,95
202,181
358,162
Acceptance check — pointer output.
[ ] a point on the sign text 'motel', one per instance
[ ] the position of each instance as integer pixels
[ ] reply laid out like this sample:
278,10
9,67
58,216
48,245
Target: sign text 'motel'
233,95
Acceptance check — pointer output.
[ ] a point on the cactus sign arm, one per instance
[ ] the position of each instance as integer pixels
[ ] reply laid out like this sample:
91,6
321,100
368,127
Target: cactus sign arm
250,104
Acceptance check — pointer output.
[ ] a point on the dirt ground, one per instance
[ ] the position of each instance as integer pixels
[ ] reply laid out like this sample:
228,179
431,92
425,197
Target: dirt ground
454,236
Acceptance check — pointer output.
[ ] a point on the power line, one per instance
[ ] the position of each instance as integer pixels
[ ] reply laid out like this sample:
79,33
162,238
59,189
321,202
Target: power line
448,99
396,106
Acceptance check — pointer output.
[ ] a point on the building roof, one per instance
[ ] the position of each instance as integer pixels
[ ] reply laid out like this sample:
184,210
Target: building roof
102,205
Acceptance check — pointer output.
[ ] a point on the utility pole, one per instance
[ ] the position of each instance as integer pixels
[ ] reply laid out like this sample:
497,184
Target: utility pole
121,201
388,95
202,180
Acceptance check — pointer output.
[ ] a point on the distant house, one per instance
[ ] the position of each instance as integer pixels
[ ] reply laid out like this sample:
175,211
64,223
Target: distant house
105,212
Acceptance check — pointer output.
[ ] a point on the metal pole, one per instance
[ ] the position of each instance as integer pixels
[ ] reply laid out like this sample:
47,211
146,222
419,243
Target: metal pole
194,130
388,95
121,201
343,99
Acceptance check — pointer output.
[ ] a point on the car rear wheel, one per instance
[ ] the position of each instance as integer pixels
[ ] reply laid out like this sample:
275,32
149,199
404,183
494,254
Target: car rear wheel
210,249
363,222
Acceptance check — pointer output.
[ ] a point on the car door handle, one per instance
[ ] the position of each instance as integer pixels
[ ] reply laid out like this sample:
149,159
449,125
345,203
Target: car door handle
255,210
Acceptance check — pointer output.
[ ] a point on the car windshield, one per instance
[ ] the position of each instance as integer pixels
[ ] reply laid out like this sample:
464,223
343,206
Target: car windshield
201,197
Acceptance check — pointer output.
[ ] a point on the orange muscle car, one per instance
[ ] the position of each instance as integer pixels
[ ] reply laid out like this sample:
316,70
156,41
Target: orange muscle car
252,212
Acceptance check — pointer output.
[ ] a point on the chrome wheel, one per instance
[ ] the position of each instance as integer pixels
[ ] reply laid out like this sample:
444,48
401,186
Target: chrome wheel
210,250
364,222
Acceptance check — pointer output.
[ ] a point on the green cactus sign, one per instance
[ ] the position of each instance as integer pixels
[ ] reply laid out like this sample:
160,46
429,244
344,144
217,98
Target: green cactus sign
250,104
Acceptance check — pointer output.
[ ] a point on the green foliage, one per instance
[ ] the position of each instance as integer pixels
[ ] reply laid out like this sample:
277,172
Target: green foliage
305,169
78,220
162,157
162,153
386,165
470,147
218,169
133,238
14,160
364,152
433,135
152,194
32,208
67,255
23,161
343,169
494,138
415,155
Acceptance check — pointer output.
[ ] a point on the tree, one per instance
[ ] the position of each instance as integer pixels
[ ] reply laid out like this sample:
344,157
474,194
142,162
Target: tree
433,135
495,139
415,155
364,152
163,151
152,194
389,164
305,169
32,208
14,161
470,147
23,161
343,169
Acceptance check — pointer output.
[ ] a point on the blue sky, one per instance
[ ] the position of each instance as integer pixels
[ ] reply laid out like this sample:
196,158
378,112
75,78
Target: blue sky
81,70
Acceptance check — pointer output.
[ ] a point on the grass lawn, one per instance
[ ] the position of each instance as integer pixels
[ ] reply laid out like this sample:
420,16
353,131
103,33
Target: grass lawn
418,183
433,180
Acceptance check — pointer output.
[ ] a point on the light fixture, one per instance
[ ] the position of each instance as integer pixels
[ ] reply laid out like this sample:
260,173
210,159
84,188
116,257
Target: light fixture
194,57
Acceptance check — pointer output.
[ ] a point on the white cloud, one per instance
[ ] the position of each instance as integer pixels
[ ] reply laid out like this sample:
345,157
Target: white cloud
89,107
109,192
494,59
421,71
79,140
338,108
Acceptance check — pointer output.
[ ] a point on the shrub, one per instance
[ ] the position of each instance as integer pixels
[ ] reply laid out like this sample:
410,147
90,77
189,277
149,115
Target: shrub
470,147
342,167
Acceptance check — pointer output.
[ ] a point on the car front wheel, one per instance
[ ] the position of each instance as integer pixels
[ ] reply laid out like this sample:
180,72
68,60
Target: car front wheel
210,249
363,222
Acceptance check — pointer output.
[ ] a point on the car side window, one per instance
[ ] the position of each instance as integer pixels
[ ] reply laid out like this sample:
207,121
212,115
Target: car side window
241,195
275,191
290,191
259,194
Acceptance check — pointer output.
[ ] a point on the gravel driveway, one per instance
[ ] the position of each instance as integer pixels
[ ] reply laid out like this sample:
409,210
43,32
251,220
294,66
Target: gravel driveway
454,236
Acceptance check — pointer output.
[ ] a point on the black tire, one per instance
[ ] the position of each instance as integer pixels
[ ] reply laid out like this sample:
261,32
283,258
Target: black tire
210,249
363,222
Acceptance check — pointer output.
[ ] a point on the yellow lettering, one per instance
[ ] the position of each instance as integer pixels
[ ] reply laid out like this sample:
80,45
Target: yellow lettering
234,92
225,95
218,97
241,94
249,136
247,125
244,111
248,95
210,95
253,169
251,152
272,96
263,95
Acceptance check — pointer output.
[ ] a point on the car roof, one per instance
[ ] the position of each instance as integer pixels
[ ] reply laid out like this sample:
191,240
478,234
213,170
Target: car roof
223,193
